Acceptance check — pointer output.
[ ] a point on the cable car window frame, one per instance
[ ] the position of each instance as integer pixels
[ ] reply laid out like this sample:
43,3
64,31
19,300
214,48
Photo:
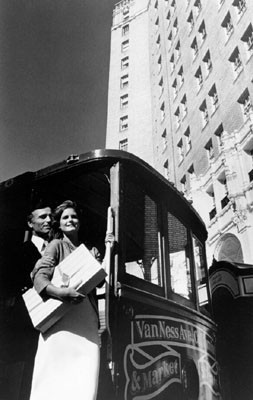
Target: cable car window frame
163,207
123,276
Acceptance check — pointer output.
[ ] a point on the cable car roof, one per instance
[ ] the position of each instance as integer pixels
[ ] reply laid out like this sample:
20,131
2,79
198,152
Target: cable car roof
166,189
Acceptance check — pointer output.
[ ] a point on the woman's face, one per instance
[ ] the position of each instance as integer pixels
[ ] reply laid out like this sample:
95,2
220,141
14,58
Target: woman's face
69,221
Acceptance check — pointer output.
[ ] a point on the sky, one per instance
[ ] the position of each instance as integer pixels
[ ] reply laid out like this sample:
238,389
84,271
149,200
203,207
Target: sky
54,69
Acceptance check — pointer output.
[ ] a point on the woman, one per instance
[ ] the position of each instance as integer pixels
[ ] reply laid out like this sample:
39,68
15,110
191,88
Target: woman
67,359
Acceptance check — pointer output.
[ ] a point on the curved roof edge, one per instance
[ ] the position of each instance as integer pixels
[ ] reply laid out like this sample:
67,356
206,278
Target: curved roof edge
98,154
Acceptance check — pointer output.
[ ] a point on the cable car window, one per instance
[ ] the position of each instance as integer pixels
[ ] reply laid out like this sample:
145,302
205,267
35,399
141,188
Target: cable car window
142,236
179,258
199,258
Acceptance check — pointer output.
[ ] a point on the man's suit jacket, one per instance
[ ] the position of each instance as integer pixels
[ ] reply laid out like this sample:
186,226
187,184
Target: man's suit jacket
29,256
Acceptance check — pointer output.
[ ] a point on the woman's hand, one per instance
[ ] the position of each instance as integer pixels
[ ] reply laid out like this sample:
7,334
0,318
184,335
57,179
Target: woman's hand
109,238
65,294
71,295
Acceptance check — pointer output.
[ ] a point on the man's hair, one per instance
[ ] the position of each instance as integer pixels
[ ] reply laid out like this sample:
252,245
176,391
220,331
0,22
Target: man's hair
40,204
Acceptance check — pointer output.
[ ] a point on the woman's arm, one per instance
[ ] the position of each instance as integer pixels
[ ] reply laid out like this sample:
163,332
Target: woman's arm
66,294
43,273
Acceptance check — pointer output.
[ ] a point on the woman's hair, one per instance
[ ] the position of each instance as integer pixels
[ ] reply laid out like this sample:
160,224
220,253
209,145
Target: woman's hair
56,232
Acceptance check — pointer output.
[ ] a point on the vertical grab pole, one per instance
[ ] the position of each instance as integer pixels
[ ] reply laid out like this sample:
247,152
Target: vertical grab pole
107,266
108,246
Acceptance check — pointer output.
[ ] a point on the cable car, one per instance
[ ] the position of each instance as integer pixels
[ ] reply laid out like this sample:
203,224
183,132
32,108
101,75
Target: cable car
157,333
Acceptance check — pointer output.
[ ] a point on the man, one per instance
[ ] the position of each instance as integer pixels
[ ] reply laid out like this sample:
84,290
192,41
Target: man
22,336
39,221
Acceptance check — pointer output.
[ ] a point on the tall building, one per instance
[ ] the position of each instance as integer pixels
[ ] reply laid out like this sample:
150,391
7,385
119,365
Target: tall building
180,97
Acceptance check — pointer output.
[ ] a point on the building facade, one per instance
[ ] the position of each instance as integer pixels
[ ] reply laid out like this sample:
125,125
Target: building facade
180,97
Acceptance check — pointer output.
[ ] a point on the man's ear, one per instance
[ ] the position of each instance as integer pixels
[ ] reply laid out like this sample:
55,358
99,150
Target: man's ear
30,224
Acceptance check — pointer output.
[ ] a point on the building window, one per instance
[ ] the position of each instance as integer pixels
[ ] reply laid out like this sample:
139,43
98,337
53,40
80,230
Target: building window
159,62
214,97
246,103
223,189
220,2
158,41
213,211
180,151
198,7
161,86
209,149
208,63
204,113
124,82
123,125
184,106
202,32
247,38
170,39
164,139
125,12
249,151
166,169
183,184
192,174
124,46
195,48
199,78
123,145
162,112
218,133
125,62
175,27
240,5
172,63
175,89
228,25
178,50
190,21
188,142
157,23
125,30
178,117
124,101
236,61
173,5
168,16
181,76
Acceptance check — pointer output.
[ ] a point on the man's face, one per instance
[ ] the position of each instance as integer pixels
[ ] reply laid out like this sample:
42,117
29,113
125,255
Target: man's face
41,222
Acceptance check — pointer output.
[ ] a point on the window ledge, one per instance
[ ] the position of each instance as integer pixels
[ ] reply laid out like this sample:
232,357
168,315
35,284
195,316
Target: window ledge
238,75
250,57
214,111
164,149
195,57
203,41
241,15
229,37
221,4
199,89
209,72
204,127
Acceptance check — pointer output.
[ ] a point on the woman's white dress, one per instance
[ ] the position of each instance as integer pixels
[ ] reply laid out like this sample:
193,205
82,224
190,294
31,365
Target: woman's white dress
67,359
